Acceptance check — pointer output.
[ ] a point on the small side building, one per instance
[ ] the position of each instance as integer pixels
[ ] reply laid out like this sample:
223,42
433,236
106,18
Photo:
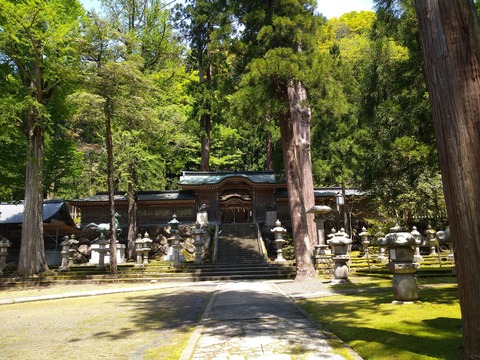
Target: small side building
57,223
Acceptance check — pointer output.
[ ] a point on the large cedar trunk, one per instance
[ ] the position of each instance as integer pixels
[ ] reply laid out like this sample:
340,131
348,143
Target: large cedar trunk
293,174
301,119
450,37
32,251
132,222
206,128
111,192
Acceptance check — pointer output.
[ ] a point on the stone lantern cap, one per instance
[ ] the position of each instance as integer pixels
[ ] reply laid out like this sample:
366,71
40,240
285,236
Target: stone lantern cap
65,242
278,227
444,236
416,234
397,239
340,238
319,209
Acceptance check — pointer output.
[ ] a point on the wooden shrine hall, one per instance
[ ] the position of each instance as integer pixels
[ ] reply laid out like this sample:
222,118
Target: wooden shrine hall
227,197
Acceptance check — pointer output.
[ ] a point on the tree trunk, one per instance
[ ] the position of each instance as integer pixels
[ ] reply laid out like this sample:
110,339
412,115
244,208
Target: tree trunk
32,251
111,190
132,222
206,127
293,174
301,116
450,36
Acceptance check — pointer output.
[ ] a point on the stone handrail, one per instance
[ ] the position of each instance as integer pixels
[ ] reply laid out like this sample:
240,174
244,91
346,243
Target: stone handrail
261,244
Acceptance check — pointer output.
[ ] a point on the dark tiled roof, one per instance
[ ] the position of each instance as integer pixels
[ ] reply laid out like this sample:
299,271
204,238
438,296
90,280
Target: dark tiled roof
172,195
12,213
210,178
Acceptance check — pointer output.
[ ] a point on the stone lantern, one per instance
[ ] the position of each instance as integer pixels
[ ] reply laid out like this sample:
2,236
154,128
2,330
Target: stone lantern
417,257
278,231
146,247
340,243
65,244
445,238
4,245
364,236
72,249
432,241
321,247
198,242
400,245
381,258
175,238
139,251
102,251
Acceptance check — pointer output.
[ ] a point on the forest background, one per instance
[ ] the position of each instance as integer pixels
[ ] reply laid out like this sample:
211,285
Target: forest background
165,71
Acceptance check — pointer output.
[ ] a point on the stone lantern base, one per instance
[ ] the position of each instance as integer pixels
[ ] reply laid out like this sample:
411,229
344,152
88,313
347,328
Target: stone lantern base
405,288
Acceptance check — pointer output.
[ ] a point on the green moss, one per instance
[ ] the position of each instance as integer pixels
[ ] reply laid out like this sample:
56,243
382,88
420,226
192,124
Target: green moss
378,329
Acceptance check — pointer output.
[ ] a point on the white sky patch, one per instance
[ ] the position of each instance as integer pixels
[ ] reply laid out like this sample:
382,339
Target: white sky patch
91,5
336,8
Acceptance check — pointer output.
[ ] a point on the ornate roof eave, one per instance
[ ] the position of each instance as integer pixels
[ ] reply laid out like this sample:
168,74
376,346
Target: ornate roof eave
125,203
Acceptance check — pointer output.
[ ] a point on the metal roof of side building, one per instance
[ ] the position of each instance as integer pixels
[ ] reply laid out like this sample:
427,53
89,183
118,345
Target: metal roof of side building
12,213
199,178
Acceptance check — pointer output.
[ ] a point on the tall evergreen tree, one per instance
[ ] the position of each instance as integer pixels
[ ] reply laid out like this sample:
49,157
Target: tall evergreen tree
280,46
36,42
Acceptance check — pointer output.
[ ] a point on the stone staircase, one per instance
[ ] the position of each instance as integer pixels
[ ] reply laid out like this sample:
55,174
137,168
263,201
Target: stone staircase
238,245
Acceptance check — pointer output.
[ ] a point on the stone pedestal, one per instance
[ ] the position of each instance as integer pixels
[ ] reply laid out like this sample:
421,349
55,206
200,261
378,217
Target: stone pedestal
95,254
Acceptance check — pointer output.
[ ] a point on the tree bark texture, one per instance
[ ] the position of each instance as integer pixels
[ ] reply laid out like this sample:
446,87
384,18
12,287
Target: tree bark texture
301,117
32,258
206,128
450,37
132,222
111,189
293,174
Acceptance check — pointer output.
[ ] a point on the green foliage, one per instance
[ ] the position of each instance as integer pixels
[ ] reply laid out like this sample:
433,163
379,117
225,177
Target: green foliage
63,168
